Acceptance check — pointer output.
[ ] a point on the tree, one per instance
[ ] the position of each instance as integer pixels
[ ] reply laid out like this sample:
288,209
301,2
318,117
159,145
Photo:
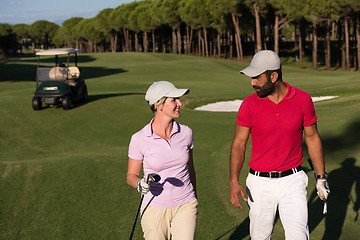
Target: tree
195,13
7,39
90,33
257,7
146,23
171,17
121,19
133,24
22,34
103,24
281,18
42,33
68,31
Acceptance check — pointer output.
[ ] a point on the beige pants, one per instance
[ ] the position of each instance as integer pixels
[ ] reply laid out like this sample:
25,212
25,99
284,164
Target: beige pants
177,222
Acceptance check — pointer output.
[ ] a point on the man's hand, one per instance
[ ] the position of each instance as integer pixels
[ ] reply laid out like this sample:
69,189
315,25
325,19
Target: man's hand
323,189
235,190
143,187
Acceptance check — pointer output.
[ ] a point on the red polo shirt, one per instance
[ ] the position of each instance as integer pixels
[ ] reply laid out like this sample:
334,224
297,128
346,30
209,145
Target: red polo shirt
277,129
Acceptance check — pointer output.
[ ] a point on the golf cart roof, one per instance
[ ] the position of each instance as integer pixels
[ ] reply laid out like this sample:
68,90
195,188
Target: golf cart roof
58,51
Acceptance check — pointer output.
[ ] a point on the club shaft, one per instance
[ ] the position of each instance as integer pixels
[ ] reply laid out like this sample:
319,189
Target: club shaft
312,168
325,202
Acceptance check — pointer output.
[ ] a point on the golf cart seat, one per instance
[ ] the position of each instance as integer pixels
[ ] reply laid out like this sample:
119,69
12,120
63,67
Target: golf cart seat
73,73
51,74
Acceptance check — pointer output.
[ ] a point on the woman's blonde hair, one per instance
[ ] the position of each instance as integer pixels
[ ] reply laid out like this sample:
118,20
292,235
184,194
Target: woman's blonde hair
161,101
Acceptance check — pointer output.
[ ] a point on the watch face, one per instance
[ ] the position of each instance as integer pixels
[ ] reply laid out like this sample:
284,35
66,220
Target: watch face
325,175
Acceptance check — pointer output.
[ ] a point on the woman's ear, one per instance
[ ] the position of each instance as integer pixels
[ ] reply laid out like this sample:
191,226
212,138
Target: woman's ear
159,106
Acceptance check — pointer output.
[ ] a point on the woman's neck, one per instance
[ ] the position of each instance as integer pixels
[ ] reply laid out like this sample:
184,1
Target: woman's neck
162,127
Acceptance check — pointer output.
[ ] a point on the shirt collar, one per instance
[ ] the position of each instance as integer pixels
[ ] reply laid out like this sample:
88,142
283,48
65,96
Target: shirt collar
148,132
290,94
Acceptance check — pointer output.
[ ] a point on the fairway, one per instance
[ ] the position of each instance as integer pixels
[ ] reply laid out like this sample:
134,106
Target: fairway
62,173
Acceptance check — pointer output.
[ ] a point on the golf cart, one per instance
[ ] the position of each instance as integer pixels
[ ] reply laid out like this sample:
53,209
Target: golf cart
61,84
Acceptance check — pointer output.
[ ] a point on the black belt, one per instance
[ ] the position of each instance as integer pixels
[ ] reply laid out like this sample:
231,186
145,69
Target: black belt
276,174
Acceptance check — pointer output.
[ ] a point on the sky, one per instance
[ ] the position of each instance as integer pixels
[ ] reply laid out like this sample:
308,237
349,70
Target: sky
56,11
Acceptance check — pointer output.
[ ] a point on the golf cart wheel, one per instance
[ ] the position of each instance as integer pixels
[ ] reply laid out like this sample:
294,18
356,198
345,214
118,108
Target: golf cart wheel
66,102
85,94
36,103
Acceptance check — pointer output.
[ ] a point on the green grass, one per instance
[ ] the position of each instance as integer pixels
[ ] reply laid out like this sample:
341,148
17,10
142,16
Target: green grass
63,172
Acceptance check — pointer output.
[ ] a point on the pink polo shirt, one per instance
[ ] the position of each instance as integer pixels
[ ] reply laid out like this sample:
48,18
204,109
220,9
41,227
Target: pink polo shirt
168,159
277,129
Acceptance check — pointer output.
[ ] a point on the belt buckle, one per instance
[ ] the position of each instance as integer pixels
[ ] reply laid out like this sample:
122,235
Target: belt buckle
274,175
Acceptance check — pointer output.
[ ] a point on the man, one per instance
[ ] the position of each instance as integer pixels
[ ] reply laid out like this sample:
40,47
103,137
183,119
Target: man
276,116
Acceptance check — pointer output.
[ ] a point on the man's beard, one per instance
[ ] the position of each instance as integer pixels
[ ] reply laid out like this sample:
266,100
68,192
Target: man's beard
265,90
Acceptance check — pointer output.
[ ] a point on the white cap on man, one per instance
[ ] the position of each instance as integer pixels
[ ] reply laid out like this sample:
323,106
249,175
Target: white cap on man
262,61
163,89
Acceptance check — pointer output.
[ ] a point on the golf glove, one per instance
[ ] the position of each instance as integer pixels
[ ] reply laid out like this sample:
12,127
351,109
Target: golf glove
143,187
323,189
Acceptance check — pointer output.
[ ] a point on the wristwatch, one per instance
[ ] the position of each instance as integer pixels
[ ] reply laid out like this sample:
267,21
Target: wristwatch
325,175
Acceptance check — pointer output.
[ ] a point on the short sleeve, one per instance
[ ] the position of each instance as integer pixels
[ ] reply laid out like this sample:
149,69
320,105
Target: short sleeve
243,116
309,115
134,149
191,144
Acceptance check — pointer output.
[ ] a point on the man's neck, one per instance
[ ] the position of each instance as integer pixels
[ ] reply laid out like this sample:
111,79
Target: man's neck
279,93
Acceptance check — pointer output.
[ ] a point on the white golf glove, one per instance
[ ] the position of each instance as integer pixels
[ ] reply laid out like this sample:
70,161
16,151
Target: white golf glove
323,189
143,187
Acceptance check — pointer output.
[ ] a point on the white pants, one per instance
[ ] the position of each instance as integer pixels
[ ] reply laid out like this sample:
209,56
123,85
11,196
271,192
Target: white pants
179,223
288,194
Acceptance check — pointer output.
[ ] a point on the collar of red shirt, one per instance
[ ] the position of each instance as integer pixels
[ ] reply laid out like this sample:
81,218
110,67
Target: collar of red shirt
289,95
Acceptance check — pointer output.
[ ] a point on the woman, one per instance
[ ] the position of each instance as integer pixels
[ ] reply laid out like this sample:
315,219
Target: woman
164,147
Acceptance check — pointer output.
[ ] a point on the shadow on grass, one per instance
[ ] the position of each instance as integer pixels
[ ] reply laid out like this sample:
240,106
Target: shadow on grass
341,181
93,98
24,72
25,69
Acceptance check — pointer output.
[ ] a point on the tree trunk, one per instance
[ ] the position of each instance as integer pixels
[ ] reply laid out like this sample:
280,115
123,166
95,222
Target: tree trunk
174,47
190,40
347,46
145,42
187,46
136,42
126,36
301,44
230,39
179,42
218,45
258,26
315,44
163,44
199,43
115,42
276,35
358,40
239,50
90,46
153,40
328,46
333,30
206,42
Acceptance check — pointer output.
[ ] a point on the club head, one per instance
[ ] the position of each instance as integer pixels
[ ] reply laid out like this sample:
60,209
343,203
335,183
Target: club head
154,177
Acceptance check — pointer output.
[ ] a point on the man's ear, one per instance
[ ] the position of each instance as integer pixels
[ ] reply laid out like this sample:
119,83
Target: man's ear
274,77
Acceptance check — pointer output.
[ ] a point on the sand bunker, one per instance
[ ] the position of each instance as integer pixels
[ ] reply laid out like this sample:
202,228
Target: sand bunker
233,106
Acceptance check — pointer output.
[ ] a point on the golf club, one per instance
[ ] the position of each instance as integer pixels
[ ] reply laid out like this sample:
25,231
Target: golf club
325,202
155,178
